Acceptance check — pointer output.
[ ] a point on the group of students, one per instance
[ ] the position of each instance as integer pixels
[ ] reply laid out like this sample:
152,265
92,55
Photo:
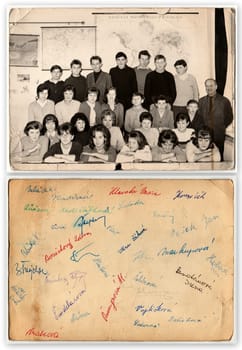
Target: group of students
92,120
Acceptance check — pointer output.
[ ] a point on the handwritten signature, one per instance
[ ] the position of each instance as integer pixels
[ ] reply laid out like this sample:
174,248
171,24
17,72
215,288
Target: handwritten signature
37,333
141,279
23,268
74,276
39,189
216,265
182,195
112,305
152,308
67,305
134,236
58,251
27,247
183,250
75,255
19,294
194,281
79,315
83,220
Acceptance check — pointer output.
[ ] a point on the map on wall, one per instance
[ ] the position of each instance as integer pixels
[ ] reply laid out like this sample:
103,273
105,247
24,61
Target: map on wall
23,50
176,36
60,45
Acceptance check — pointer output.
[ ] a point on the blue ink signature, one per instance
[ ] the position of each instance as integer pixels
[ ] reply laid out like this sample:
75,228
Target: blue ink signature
216,265
152,308
82,221
169,216
141,279
135,236
137,323
77,316
183,250
181,195
74,256
29,245
68,304
19,294
23,269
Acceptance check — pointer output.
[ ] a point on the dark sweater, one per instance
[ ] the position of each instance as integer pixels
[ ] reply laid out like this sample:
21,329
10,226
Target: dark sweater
76,148
197,122
82,137
124,80
80,85
159,84
55,90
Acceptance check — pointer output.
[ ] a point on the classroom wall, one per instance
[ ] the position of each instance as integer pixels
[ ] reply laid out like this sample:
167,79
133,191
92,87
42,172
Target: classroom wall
189,36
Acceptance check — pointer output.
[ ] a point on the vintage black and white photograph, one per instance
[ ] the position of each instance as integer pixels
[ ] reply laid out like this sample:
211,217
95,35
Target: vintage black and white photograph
122,89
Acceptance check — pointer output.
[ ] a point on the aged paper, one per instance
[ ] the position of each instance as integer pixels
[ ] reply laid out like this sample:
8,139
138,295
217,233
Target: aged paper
123,260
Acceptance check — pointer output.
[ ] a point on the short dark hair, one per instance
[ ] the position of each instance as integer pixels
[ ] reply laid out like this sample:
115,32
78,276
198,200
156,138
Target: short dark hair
180,63
32,125
182,116
146,115
144,53
159,57
56,66
47,118
65,127
107,112
192,101
106,134
120,54
167,135
203,132
93,89
160,97
141,139
42,87
95,58
106,93
80,116
138,94
69,87
75,61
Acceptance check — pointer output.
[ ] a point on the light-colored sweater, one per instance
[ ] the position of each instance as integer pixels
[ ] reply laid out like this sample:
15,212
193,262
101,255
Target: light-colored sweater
132,120
186,90
37,112
65,111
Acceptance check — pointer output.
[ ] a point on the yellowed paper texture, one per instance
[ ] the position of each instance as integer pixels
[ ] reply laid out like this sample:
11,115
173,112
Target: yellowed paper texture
128,260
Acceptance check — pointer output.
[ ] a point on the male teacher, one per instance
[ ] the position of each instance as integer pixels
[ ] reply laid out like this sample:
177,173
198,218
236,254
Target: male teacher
217,113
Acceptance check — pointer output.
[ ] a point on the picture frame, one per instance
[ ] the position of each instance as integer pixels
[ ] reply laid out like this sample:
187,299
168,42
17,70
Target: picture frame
23,50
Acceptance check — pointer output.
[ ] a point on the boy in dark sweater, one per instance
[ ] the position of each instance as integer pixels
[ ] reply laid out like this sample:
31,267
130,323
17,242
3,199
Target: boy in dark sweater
159,82
124,80
78,81
55,85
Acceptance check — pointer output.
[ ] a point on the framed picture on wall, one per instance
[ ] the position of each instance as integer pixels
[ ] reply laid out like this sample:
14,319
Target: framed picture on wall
61,44
23,50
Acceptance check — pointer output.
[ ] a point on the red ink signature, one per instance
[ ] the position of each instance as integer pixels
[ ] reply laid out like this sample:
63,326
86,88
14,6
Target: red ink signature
81,236
133,190
42,333
58,250
112,304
